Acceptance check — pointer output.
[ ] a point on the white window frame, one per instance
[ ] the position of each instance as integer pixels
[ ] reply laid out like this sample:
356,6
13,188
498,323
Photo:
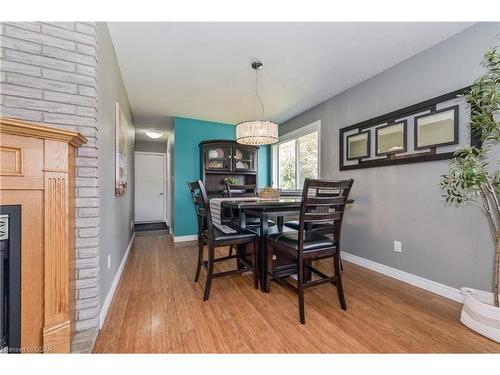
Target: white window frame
305,130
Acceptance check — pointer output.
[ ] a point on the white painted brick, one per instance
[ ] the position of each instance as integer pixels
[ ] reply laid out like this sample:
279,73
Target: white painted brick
15,67
42,83
68,56
86,69
64,25
87,292
41,105
82,325
68,77
88,273
87,242
86,283
20,45
88,232
92,141
56,118
88,192
88,212
87,222
88,313
87,263
86,182
87,303
16,90
87,152
87,172
87,131
69,98
39,38
88,252
32,26
87,91
3,77
86,162
68,34
86,49
37,60
86,201
86,111
20,113
85,28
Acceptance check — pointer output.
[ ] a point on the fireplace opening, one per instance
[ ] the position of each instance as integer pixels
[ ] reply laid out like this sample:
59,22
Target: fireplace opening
10,278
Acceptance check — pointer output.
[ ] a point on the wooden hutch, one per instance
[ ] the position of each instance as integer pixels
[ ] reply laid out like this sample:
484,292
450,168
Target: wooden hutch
222,159
37,172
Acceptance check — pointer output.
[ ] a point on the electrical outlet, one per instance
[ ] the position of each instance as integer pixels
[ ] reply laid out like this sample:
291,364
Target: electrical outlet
109,261
397,246
131,224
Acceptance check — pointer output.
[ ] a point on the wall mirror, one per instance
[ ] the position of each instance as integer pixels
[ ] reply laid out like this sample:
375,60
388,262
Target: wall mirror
391,138
439,128
358,146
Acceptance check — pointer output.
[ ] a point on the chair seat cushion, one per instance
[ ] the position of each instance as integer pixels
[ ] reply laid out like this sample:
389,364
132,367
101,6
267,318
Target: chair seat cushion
220,236
312,240
294,224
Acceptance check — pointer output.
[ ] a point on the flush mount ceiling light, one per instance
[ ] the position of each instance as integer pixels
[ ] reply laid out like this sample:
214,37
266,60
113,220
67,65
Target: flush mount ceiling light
257,132
153,134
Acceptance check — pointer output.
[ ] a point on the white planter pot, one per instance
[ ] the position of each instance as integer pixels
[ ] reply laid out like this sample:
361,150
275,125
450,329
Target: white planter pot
479,313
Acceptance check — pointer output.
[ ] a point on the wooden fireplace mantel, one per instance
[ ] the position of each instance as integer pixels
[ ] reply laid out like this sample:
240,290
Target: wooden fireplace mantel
37,171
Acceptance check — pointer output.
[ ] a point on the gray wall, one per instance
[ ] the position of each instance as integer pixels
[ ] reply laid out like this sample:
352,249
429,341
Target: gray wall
448,245
116,212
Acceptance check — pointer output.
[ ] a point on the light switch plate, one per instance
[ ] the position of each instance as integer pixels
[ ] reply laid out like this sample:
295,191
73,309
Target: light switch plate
397,246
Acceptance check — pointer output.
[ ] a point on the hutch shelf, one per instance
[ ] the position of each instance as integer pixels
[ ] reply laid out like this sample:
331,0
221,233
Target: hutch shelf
221,159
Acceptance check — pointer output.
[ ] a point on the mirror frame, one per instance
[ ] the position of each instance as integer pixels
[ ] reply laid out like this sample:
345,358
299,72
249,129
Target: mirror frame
405,138
368,145
433,113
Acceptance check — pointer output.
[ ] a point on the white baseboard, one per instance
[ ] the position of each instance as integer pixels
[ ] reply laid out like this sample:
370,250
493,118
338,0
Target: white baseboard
191,237
116,280
420,282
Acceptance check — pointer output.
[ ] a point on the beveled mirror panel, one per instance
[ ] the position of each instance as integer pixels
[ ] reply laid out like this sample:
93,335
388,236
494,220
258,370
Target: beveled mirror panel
391,139
438,128
358,146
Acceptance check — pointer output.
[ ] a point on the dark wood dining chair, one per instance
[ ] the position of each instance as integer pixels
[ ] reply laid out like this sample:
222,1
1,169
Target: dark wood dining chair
213,238
238,191
307,245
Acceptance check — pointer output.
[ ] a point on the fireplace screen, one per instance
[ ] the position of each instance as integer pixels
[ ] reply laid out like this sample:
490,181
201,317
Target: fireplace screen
10,278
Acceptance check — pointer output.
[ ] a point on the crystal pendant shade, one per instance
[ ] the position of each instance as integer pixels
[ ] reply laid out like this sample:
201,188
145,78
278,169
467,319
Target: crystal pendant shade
258,132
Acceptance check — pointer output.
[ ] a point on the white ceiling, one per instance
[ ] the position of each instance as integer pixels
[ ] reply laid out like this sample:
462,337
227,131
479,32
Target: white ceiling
202,70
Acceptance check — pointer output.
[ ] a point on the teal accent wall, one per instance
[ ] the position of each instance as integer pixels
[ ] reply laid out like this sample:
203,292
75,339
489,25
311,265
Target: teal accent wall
188,134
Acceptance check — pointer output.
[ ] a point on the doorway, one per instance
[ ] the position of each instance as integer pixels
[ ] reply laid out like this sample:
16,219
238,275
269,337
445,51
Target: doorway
150,187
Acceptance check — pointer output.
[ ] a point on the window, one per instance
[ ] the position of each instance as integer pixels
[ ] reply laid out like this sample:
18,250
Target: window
296,157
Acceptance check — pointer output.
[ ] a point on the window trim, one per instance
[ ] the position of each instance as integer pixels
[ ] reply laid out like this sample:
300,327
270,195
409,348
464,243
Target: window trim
294,134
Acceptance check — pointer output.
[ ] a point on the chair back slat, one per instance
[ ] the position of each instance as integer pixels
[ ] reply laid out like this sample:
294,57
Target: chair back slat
323,202
202,206
233,190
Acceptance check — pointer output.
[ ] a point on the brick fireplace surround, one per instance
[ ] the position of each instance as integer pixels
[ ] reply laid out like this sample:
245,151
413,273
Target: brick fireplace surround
49,75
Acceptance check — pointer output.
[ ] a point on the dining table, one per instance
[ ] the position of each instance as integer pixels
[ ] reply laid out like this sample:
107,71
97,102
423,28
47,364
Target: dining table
265,209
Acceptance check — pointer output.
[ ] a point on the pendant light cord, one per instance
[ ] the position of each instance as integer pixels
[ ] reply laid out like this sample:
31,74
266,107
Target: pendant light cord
258,96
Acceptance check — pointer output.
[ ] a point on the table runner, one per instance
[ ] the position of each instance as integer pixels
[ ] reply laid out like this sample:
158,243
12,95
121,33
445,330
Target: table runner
215,211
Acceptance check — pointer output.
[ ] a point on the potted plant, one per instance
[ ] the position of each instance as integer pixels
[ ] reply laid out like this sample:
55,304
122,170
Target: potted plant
470,178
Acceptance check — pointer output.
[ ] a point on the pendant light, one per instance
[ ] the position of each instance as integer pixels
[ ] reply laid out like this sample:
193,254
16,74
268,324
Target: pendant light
257,132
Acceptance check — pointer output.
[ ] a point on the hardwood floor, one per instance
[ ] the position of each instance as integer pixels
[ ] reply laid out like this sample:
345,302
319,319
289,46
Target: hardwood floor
157,308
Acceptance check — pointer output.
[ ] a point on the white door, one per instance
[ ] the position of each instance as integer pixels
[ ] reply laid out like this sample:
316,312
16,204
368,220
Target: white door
150,192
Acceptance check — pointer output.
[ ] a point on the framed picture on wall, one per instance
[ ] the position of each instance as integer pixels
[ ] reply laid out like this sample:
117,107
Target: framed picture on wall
358,145
121,152
391,138
438,128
